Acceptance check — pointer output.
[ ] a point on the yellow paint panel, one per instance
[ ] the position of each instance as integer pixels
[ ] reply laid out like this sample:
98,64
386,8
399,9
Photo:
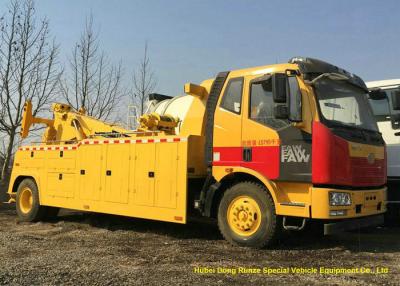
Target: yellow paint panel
196,165
227,128
227,124
21,159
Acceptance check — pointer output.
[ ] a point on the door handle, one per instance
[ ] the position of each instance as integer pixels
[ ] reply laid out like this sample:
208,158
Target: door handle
247,154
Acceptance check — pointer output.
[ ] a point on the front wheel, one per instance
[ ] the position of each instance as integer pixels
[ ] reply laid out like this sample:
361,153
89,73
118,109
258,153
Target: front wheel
246,216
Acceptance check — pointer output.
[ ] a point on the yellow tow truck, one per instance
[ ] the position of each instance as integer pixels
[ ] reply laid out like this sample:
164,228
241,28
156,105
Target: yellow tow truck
260,149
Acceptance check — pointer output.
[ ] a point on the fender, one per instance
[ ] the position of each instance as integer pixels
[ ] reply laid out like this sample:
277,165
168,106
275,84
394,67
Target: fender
219,173
25,174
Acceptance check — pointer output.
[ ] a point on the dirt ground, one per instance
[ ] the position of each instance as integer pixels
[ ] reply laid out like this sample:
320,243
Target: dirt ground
94,249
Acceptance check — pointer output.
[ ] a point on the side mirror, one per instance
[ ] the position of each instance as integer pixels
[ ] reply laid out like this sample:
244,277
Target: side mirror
396,100
295,100
279,84
281,111
377,94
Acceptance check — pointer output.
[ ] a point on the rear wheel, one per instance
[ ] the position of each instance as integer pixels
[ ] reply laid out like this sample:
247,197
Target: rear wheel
28,206
246,216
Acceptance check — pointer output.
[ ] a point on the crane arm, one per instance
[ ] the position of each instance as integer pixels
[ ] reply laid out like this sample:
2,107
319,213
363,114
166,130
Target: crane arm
28,120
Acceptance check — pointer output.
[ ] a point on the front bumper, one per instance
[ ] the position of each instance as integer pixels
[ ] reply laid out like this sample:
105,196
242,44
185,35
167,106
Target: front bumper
352,224
363,203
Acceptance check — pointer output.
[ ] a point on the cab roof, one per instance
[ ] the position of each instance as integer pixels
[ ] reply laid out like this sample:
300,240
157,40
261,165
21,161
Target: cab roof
310,68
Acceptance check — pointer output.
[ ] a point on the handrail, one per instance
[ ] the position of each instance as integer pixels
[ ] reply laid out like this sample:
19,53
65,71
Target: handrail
70,142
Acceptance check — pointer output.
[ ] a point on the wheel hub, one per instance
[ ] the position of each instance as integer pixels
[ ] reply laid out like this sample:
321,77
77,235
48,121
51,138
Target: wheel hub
26,200
244,215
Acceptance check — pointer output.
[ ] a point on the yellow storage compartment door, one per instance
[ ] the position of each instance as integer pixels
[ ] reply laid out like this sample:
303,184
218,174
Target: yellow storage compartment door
61,185
166,175
89,172
144,174
61,160
117,173
35,159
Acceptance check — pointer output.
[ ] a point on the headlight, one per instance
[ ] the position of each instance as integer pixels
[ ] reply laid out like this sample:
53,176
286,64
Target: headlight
339,199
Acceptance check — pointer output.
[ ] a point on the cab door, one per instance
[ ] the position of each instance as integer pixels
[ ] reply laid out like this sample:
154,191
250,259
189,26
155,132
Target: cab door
273,147
227,149
260,140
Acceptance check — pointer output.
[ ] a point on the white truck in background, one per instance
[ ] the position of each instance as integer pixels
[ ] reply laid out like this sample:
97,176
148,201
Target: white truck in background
385,101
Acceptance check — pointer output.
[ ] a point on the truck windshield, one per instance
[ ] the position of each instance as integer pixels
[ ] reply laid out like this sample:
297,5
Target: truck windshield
345,105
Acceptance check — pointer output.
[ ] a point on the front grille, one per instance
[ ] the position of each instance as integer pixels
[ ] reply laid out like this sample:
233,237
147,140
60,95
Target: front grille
365,173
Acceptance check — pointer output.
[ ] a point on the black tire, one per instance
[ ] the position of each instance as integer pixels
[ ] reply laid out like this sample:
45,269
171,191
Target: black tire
270,226
37,212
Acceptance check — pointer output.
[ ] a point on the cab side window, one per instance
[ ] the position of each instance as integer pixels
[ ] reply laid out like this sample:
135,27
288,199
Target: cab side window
262,105
232,99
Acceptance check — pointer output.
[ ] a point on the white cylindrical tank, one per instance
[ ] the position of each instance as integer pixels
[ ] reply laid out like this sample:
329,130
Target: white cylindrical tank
189,108
177,106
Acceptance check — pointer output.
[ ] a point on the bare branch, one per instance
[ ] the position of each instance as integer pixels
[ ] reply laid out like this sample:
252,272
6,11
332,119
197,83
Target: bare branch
94,82
28,70
144,81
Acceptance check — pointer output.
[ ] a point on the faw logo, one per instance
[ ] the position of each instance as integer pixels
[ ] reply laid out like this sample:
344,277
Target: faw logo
294,153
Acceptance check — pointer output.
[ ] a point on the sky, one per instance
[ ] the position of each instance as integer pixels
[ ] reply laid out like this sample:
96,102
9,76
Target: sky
190,41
